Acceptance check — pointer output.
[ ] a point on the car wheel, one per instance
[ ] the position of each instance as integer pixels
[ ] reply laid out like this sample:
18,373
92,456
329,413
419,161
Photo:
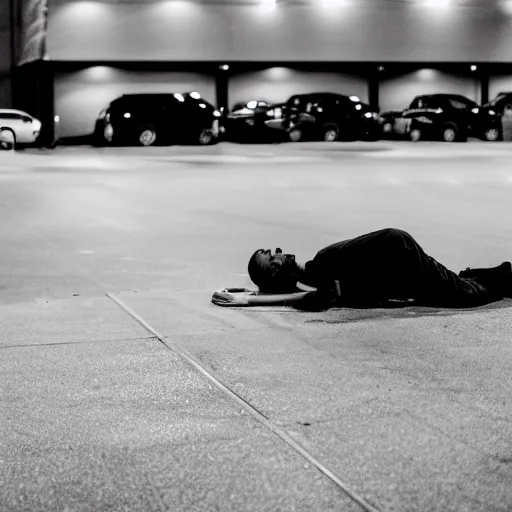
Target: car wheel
206,137
415,135
7,139
330,133
492,134
147,136
450,133
295,135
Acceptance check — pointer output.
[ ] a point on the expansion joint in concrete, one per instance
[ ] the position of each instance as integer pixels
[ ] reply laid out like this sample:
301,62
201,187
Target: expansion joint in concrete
254,412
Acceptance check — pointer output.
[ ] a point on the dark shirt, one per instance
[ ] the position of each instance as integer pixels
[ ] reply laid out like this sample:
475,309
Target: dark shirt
383,266
369,269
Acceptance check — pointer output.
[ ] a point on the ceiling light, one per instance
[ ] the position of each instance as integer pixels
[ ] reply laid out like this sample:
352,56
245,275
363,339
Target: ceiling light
439,4
506,5
268,5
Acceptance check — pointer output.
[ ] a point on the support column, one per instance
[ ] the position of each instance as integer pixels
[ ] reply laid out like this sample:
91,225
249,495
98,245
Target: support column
222,86
484,86
34,93
373,88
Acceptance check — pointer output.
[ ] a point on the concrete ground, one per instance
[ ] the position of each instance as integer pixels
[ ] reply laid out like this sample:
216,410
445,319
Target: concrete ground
152,398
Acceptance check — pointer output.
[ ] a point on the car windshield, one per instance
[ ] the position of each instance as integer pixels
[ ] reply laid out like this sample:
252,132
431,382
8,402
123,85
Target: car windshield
502,99
297,101
419,102
434,102
430,102
461,103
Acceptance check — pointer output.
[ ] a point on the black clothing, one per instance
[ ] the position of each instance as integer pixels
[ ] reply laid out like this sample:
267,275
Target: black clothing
385,265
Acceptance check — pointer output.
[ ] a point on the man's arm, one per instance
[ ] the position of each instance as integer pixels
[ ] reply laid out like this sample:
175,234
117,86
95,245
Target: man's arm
320,300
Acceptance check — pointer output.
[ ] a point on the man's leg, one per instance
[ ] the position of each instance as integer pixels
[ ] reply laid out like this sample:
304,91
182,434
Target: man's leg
428,281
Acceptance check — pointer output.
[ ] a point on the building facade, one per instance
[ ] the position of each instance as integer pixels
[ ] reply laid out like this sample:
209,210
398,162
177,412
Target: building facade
70,58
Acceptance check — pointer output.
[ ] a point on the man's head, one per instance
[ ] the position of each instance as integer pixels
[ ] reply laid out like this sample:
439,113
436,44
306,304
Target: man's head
273,272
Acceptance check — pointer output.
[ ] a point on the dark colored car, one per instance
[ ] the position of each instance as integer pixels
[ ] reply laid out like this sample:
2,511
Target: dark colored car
502,106
248,122
502,99
167,118
448,117
328,117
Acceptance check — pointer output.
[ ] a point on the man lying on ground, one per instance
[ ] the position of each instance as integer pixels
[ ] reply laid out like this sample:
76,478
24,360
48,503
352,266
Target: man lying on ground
375,268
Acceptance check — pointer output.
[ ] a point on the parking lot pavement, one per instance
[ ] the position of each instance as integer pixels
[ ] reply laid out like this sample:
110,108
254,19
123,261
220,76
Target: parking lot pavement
230,153
409,409
95,420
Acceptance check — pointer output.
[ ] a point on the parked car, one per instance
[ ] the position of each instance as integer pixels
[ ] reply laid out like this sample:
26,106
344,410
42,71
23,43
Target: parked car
247,122
448,117
148,119
501,105
328,117
18,127
502,99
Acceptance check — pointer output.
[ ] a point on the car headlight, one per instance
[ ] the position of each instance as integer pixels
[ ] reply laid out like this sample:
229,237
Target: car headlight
492,113
371,115
216,113
475,110
276,113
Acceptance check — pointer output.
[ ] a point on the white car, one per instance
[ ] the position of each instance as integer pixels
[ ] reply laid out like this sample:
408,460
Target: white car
18,127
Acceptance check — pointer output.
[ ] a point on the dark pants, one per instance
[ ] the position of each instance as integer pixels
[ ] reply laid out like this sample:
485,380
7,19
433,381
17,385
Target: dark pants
390,264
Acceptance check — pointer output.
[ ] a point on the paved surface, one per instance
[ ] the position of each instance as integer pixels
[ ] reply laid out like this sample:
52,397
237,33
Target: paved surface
405,410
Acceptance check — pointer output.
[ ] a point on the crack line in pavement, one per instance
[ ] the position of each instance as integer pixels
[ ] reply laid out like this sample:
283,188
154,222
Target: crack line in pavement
76,342
255,413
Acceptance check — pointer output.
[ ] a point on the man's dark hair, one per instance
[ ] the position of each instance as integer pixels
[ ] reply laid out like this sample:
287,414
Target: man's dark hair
259,276
270,279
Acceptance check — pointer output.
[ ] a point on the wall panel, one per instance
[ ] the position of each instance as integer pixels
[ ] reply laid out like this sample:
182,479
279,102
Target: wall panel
397,91
277,84
357,30
33,30
81,95
5,56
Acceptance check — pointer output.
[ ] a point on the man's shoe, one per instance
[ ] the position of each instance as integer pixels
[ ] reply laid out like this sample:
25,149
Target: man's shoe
497,280
506,266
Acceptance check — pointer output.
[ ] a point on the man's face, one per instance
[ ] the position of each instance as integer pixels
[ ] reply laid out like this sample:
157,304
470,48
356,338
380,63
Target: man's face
267,258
